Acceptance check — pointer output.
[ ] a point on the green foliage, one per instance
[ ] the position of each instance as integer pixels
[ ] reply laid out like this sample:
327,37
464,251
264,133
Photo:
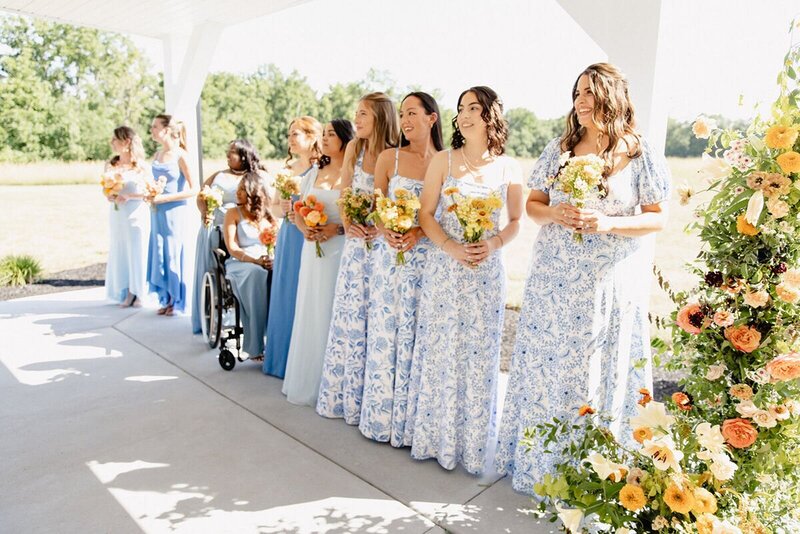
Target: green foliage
528,135
682,143
19,270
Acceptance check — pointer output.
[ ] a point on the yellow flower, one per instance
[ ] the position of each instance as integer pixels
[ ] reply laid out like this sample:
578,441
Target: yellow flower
632,497
679,500
704,524
400,193
789,162
479,203
494,202
642,434
744,227
704,502
781,137
450,191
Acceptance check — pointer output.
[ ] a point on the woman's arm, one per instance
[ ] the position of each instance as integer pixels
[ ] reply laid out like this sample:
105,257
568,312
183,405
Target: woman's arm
232,242
189,192
652,219
541,212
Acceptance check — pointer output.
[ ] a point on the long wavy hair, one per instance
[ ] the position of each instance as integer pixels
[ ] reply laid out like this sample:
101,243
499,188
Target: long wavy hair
311,127
385,130
126,133
344,131
492,115
248,155
430,105
613,114
256,199
177,129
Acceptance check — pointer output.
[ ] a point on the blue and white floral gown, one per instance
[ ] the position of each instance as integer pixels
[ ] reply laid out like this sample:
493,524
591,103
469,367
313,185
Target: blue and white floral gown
391,329
457,349
343,371
583,334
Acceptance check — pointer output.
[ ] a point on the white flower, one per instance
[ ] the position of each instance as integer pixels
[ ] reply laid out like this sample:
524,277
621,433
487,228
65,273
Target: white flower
759,376
722,467
663,453
710,437
605,468
746,408
685,192
764,478
702,126
623,530
754,207
764,419
653,416
786,227
660,523
724,527
563,158
571,518
780,412
714,372
713,169
793,406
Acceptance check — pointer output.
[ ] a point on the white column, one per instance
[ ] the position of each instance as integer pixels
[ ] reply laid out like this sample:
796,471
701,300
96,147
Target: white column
630,32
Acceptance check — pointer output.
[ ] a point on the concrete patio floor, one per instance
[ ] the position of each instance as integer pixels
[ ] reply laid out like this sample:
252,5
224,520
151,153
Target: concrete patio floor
121,421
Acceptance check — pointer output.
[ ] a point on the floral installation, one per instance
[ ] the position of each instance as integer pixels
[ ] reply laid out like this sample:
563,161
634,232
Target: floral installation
721,457
212,196
287,185
313,213
268,237
580,177
474,214
357,207
397,215
112,184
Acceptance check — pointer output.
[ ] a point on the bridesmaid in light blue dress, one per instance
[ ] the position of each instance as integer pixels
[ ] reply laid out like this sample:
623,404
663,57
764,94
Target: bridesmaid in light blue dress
583,334
249,267
129,219
242,158
343,371
317,280
395,289
305,138
457,350
166,274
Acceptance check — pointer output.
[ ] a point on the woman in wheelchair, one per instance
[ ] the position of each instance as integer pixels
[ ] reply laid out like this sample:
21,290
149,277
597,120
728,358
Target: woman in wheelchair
248,266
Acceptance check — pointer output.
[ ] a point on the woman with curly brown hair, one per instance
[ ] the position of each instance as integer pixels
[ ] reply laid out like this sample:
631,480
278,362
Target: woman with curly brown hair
457,349
248,268
583,335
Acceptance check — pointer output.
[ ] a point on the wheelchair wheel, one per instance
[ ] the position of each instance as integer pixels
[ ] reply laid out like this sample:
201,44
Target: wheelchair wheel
226,360
211,309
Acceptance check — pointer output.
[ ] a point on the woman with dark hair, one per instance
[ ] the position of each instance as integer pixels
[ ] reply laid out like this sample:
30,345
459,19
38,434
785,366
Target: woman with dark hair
395,289
457,349
304,141
583,335
242,158
248,268
129,221
317,279
343,371
165,265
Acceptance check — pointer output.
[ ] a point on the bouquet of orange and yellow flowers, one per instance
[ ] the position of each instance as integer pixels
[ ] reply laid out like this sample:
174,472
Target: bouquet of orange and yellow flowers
287,185
397,215
474,213
357,207
112,184
212,196
153,188
313,213
268,237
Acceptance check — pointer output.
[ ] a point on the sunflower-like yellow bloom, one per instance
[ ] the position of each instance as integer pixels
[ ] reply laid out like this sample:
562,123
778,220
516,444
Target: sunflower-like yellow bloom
781,137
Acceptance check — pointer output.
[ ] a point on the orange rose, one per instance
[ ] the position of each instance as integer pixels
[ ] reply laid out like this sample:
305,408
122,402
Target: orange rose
739,433
304,211
744,227
690,319
682,400
297,206
785,367
789,162
311,200
743,337
646,397
585,410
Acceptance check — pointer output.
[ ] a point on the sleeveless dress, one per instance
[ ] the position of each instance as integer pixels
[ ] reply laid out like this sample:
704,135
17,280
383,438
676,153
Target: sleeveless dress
165,264
203,259
457,349
130,233
283,289
391,327
250,284
313,310
343,370
583,325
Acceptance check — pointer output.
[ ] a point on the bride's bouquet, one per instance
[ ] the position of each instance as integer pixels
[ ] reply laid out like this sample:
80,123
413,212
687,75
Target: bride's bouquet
112,184
357,207
397,215
474,214
313,213
580,178
212,196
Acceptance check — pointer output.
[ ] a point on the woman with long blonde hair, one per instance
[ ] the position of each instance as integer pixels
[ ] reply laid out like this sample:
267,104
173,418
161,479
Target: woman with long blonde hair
583,335
343,370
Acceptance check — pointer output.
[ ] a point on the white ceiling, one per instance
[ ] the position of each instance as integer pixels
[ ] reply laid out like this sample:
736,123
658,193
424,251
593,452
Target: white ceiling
150,18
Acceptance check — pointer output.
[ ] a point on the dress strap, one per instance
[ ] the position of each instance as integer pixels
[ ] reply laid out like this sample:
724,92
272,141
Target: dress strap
360,160
396,160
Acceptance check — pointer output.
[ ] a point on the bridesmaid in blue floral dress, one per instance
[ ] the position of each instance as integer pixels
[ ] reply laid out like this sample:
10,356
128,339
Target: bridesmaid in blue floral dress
130,221
305,138
583,334
395,289
166,262
343,371
317,280
457,350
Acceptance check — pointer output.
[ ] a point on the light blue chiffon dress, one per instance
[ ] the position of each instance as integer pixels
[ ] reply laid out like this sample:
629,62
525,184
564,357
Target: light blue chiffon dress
130,231
203,259
168,234
284,288
346,350
583,335
250,284
391,328
312,318
457,348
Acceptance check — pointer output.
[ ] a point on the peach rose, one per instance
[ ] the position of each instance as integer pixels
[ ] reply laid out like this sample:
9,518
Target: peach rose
690,319
787,293
743,337
756,299
739,433
777,208
785,367
791,277
723,318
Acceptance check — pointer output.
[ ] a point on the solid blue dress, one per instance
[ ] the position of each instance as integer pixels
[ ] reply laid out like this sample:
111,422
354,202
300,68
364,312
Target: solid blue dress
283,292
165,264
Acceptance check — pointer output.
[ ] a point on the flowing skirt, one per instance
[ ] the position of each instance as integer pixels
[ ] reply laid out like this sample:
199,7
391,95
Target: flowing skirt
166,262
127,255
203,260
250,284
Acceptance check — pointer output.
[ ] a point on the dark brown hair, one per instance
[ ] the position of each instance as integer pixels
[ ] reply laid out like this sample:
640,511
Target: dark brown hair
256,201
492,115
430,106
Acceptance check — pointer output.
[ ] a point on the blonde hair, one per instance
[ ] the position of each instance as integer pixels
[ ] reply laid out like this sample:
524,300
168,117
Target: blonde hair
613,113
177,129
385,131
311,127
126,133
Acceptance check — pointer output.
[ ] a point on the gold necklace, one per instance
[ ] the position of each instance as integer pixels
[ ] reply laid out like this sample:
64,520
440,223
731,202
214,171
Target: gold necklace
474,171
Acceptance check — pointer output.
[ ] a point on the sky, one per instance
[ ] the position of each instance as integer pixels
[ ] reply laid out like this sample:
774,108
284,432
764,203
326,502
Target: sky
529,51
